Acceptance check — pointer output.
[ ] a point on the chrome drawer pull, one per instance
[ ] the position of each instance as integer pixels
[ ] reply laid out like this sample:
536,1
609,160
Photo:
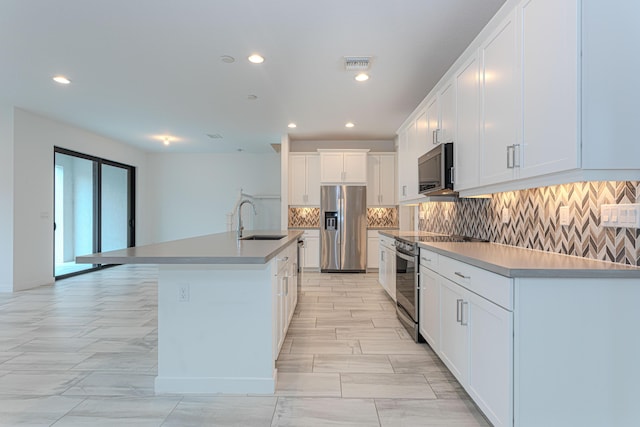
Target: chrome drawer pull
457,273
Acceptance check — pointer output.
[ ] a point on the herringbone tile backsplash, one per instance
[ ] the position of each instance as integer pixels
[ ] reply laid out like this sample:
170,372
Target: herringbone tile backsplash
535,220
310,217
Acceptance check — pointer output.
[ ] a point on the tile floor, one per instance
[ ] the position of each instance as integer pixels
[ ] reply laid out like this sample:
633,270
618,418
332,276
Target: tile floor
84,352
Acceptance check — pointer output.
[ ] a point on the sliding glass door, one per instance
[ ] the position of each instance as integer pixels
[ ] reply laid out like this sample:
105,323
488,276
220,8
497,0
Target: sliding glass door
94,209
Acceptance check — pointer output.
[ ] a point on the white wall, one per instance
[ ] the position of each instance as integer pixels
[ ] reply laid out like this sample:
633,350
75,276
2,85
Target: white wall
33,142
6,197
190,194
374,145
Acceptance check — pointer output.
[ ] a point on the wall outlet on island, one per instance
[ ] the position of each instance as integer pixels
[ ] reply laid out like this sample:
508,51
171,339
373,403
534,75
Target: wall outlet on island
183,292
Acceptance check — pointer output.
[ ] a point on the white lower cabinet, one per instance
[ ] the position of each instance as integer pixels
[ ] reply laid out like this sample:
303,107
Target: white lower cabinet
454,344
472,334
311,249
373,245
284,295
387,265
490,349
429,303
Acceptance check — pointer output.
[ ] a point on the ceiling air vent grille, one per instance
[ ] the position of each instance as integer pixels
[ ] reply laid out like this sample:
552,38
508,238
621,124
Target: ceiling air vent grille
357,63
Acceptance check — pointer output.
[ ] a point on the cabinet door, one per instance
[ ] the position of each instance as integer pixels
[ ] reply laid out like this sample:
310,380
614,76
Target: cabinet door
382,267
355,167
549,87
490,379
453,334
429,307
372,252
331,167
414,146
387,185
297,179
373,181
391,273
447,101
405,170
467,127
312,252
500,112
313,180
433,126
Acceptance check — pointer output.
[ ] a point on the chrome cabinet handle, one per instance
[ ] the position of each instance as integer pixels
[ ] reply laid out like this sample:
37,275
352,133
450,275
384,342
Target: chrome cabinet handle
458,312
285,259
451,175
509,163
457,273
425,259
516,155
463,322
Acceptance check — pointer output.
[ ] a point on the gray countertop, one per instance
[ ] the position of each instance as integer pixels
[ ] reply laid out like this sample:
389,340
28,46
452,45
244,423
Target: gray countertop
513,261
221,248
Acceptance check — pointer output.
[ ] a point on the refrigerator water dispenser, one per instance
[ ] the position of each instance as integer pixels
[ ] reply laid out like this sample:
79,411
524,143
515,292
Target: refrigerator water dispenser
331,221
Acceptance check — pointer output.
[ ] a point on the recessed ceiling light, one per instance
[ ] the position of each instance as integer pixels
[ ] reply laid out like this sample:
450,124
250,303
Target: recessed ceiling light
166,140
256,59
362,77
292,125
227,59
62,80
349,125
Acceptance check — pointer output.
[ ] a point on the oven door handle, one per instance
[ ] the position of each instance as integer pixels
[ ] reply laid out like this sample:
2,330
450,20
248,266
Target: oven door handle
410,258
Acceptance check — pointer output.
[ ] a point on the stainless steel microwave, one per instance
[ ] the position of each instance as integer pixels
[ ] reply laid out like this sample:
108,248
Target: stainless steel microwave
435,171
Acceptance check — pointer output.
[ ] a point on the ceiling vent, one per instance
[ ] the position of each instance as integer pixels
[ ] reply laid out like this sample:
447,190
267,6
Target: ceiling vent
357,63
214,135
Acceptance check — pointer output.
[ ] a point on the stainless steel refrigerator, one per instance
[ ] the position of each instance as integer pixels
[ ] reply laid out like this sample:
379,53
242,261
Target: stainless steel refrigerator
343,228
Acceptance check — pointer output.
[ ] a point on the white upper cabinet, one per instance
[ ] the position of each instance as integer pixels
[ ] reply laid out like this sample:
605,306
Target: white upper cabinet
344,166
465,149
499,143
553,91
447,101
408,149
381,181
549,86
304,180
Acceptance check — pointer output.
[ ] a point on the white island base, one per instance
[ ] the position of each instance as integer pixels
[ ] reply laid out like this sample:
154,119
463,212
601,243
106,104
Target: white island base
215,329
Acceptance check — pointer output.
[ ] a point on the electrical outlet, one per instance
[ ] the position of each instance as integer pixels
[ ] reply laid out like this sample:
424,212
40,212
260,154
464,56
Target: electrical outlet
183,292
564,215
505,216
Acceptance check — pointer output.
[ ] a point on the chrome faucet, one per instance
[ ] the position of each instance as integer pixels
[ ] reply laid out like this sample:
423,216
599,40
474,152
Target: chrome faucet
240,227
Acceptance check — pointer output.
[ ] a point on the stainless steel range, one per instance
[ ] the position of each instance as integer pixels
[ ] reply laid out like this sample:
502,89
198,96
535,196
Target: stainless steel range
407,261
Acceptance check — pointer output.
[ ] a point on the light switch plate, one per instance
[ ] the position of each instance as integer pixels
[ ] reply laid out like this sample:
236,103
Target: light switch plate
564,215
622,216
505,216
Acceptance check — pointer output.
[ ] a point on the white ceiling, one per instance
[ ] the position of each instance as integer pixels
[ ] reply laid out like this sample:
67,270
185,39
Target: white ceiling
142,68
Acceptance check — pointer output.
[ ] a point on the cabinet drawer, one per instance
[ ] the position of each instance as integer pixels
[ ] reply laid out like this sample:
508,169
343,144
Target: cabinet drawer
310,233
497,289
428,259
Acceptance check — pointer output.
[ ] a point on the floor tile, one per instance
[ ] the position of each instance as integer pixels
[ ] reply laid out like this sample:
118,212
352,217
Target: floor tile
317,346
308,384
222,411
34,383
151,411
295,363
297,412
429,413
34,411
123,384
391,347
386,386
352,363
388,334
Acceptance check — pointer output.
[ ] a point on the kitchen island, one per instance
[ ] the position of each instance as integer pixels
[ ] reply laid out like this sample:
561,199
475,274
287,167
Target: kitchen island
224,306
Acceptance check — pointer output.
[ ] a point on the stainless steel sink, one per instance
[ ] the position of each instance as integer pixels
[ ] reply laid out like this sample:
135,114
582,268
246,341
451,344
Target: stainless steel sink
264,237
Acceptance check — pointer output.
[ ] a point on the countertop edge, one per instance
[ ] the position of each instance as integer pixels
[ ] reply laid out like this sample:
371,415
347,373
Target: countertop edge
576,273
270,253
